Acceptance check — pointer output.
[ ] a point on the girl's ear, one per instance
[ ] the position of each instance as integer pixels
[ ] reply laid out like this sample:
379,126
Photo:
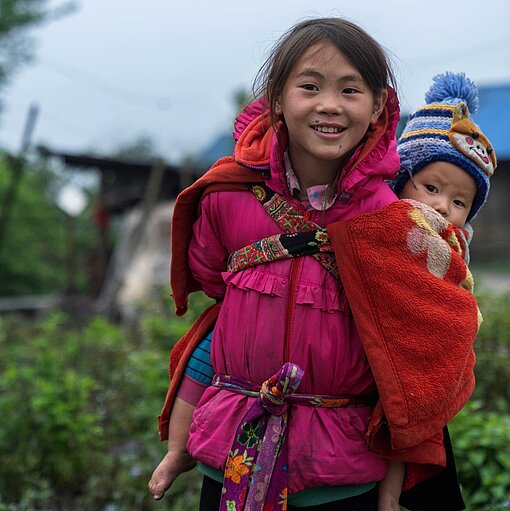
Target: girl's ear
278,107
379,103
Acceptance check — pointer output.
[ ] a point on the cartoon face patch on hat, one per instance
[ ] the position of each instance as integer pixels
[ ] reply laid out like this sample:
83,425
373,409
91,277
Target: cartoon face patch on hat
469,140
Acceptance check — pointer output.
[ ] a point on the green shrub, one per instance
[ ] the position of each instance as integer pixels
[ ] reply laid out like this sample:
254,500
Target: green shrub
79,409
52,437
481,440
40,240
492,349
481,431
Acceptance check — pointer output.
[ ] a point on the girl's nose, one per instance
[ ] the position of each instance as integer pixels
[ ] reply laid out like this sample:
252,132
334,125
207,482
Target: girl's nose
330,103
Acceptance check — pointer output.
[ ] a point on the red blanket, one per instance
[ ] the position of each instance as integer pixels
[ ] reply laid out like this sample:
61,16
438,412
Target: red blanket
405,274
224,175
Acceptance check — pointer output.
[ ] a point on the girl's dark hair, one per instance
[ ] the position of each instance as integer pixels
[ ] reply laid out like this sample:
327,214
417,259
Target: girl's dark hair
364,52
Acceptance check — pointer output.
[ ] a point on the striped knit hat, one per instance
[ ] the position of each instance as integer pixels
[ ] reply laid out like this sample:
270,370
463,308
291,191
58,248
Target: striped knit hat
442,131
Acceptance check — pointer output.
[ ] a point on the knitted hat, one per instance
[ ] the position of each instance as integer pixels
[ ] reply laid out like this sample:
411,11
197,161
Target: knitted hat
442,131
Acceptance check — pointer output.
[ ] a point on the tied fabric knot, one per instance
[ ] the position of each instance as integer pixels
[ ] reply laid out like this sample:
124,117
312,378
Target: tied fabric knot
255,470
273,392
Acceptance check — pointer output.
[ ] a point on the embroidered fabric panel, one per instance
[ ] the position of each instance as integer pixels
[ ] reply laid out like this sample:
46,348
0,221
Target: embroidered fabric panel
281,246
302,237
287,217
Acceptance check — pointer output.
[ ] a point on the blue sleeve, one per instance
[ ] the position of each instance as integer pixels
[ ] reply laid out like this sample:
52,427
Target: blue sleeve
199,366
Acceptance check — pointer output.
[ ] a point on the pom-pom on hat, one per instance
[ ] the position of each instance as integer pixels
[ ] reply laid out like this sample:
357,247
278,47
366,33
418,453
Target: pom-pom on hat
442,131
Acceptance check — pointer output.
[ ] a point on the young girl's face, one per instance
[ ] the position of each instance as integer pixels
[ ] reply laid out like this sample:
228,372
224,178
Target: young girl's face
327,107
445,187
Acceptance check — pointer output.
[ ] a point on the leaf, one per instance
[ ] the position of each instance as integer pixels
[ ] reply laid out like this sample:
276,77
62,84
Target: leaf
477,458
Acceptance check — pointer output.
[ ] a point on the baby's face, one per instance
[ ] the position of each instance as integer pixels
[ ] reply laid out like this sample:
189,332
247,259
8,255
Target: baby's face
445,187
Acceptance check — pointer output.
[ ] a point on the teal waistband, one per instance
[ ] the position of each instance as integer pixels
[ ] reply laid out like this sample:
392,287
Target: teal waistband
309,496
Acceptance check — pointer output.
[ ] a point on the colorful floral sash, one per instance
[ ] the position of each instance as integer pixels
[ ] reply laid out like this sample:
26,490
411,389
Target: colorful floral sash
301,237
255,477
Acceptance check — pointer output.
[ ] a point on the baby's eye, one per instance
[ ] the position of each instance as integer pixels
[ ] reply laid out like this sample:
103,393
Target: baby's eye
459,203
310,87
431,188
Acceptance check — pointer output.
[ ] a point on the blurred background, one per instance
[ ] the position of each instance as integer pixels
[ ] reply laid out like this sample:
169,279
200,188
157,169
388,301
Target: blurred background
107,111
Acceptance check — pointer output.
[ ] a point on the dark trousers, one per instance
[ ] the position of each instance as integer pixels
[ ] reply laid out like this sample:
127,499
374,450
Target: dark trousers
441,492
211,496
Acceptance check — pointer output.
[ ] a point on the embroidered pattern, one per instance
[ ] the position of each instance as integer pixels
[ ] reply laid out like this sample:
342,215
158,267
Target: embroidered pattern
302,237
288,218
259,192
282,246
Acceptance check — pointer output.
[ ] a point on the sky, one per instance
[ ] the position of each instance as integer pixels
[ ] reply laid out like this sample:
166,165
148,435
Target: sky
116,70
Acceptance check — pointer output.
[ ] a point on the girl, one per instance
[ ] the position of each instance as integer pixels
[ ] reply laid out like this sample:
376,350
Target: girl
283,424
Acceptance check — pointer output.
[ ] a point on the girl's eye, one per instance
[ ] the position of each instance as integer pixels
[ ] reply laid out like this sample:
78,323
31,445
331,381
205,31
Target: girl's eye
459,203
310,87
431,188
350,90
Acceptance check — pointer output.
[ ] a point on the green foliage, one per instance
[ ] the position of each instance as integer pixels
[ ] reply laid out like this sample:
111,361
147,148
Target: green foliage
492,349
481,431
79,407
481,440
160,324
32,259
34,255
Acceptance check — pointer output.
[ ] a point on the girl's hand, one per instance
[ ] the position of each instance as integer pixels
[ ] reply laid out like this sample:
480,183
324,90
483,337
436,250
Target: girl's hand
172,465
390,487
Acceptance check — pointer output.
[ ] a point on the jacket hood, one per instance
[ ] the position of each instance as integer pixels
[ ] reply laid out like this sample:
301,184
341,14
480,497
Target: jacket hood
260,145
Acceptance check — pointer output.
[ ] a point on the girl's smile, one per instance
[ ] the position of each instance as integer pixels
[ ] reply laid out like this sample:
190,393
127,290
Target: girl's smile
327,107
329,129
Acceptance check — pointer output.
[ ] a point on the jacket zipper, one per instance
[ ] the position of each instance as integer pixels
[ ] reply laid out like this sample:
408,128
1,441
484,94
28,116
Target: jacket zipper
291,302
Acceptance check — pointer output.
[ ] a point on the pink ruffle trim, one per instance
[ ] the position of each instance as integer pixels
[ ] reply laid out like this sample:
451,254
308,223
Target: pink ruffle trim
317,297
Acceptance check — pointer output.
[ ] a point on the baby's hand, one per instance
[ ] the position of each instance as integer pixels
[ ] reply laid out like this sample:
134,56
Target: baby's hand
172,465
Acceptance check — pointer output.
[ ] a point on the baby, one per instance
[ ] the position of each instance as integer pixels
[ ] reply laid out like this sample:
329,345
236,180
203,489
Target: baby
446,160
